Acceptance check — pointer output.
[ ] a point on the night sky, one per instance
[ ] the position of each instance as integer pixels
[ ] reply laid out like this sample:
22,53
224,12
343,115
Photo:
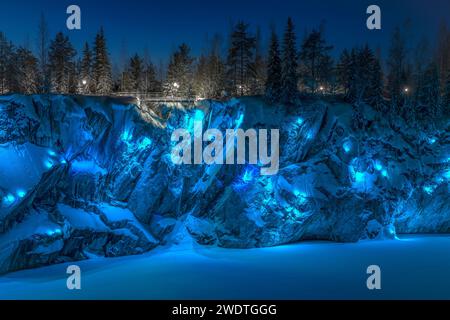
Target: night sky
162,25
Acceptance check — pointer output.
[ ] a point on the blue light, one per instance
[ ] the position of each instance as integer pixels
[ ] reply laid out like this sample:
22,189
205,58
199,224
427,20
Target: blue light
21,193
300,121
63,161
199,115
347,146
248,176
52,153
9,199
428,189
126,136
146,142
240,120
384,173
48,164
302,197
378,166
432,140
447,174
359,176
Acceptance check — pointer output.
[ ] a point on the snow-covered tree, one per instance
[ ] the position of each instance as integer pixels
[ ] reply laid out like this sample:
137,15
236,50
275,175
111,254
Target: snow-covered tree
102,66
396,78
42,44
446,98
289,66
62,65
85,83
315,61
259,67
273,84
343,71
150,82
6,64
27,71
240,67
134,75
428,95
179,80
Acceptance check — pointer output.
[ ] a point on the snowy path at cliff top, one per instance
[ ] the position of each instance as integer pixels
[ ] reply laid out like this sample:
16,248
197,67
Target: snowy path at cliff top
415,267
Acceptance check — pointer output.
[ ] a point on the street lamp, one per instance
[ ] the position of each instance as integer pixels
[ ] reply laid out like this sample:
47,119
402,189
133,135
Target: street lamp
406,90
84,82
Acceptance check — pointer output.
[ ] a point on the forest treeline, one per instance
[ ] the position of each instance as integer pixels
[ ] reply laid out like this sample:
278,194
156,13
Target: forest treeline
413,82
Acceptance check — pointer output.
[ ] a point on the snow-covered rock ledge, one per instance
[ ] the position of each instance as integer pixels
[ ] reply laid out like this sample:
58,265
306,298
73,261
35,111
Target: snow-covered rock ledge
82,177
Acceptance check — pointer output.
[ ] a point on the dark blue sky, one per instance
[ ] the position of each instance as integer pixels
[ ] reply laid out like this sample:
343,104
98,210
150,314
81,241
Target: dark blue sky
161,25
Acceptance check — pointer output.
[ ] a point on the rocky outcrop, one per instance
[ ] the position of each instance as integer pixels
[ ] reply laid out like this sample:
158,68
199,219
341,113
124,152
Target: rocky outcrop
82,177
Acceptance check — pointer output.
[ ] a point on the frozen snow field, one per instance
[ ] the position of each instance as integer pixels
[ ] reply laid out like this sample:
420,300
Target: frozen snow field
413,267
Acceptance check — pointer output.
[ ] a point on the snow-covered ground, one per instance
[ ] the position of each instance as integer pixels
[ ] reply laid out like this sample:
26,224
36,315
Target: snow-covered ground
413,267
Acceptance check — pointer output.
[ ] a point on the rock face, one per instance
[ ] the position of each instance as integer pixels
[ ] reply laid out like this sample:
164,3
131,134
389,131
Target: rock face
82,177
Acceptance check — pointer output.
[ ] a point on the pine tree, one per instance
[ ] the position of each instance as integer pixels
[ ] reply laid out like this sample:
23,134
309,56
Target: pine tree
61,64
135,75
428,95
396,71
316,62
6,64
446,98
85,85
150,81
240,67
289,66
343,70
259,67
27,71
42,49
375,90
179,80
273,83
102,66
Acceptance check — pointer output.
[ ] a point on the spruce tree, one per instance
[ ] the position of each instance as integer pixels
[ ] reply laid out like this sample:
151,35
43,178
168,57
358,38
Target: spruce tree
273,84
61,64
428,95
240,66
102,66
289,66
27,71
446,98
179,80
316,62
396,71
6,65
343,70
259,67
85,85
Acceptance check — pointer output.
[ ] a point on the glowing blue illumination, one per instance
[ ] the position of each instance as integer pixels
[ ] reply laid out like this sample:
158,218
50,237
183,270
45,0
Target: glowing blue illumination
447,174
63,161
21,193
126,136
359,177
9,199
52,153
378,166
300,121
384,173
240,120
145,143
53,232
248,176
432,140
347,146
428,189
199,115
48,164
302,197
309,135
